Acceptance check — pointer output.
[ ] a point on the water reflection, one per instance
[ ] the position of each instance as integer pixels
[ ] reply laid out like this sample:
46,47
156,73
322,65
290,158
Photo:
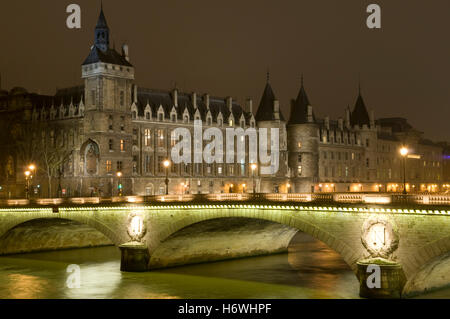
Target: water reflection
309,270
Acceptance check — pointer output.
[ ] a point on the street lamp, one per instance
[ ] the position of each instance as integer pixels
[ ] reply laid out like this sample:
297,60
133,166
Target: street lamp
288,188
32,169
120,186
27,187
404,153
254,167
166,164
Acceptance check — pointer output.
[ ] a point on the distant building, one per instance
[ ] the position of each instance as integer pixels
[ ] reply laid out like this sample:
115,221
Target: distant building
109,125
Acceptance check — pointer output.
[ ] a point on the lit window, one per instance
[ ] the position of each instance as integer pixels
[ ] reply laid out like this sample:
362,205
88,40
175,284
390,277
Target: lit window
122,145
161,138
300,170
147,137
108,167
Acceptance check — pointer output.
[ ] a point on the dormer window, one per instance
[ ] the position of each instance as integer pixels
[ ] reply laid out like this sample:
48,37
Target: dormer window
174,118
231,122
147,116
186,119
160,117
134,115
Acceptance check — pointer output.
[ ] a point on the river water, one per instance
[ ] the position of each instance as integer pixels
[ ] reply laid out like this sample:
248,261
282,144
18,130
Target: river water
309,270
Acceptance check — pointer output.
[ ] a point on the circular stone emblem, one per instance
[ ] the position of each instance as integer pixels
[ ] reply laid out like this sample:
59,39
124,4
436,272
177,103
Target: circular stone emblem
136,227
380,237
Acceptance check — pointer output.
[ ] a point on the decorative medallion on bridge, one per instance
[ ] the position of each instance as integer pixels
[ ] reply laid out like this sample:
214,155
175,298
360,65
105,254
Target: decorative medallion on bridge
380,237
136,227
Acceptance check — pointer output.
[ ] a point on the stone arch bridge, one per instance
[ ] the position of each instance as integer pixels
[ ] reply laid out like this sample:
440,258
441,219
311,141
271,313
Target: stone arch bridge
411,237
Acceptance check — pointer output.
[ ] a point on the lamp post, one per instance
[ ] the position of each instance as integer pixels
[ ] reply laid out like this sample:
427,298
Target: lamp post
166,164
27,186
120,186
404,153
32,169
254,167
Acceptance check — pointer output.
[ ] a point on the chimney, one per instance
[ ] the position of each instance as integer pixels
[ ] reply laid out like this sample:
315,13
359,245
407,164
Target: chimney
250,105
276,109
194,100
230,104
347,118
207,101
327,122
125,52
175,97
310,114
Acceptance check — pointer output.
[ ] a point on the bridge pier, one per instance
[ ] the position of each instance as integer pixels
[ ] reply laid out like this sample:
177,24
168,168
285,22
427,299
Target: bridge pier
380,279
135,257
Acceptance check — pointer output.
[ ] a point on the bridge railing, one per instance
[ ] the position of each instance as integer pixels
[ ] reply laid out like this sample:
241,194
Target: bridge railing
346,198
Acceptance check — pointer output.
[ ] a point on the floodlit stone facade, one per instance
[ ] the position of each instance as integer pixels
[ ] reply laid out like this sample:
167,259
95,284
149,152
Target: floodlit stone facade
109,125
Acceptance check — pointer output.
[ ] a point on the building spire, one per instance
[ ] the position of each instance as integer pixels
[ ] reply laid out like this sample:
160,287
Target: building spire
102,32
268,75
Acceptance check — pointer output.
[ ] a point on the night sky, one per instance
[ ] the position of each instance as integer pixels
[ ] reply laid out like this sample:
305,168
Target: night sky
225,48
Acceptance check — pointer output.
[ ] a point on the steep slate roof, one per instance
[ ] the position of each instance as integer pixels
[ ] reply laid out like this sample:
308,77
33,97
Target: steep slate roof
156,98
101,23
265,109
111,56
299,108
360,116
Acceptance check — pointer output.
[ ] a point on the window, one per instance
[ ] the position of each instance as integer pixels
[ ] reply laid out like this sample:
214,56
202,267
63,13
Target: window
300,158
147,116
300,145
299,170
108,167
122,123
111,123
111,145
231,170
231,122
119,166
219,170
173,139
161,168
147,137
148,164
160,117
174,118
161,142
122,145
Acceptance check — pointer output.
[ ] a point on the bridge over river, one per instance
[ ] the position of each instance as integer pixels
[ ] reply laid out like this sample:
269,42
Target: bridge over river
401,234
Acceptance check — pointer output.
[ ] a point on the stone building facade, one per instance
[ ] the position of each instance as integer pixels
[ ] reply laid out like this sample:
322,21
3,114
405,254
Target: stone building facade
109,125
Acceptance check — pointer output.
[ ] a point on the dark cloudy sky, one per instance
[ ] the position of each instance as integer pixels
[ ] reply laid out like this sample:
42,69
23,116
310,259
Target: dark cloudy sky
225,47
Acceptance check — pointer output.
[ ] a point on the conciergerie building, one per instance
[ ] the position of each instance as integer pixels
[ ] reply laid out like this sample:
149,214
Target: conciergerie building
110,136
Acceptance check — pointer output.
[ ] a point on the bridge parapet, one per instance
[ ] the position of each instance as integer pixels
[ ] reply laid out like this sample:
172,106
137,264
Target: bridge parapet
336,198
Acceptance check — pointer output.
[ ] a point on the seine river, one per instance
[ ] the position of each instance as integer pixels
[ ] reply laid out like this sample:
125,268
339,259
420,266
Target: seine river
309,270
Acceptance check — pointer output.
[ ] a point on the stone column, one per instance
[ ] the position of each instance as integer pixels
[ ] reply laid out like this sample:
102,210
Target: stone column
380,279
135,257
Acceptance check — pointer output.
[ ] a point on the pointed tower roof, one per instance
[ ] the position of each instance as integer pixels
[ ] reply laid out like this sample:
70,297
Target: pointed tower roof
299,108
101,23
266,109
360,116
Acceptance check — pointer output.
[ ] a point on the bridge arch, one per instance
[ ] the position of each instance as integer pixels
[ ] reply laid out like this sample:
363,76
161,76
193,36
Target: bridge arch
285,217
426,254
103,228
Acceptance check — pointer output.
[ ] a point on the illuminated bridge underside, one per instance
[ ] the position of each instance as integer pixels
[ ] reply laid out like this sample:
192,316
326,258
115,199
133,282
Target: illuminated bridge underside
423,235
